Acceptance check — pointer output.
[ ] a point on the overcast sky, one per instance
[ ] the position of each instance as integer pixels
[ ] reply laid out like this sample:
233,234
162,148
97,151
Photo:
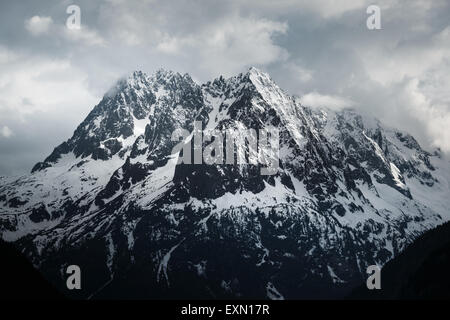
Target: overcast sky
322,51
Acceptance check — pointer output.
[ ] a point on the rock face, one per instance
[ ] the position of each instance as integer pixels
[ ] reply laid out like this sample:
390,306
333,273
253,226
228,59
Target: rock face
113,199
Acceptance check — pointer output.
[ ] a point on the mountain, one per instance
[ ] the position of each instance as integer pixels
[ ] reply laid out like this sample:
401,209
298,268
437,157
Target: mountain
419,272
347,192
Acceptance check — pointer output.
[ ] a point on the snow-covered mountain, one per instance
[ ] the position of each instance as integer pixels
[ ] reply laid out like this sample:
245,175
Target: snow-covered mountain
349,192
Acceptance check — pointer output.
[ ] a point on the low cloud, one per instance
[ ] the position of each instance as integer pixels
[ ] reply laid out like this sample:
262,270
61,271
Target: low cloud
84,36
315,99
231,45
44,26
38,25
31,85
41,103
6,132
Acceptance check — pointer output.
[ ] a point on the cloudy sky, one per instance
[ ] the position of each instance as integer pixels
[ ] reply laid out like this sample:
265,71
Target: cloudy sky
322,51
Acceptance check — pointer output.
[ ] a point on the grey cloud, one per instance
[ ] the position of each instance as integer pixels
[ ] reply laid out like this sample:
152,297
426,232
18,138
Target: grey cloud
316,49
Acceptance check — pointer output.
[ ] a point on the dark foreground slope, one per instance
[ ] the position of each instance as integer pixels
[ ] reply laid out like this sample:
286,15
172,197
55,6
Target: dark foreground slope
19,279
422,271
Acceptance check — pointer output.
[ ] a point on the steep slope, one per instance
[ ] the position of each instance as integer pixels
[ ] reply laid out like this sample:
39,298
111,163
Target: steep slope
348,192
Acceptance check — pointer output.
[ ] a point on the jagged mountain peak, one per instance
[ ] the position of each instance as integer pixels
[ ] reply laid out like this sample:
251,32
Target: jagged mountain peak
347,192
135,80
252,74
162,73
269,90
255,70
258,75
138,81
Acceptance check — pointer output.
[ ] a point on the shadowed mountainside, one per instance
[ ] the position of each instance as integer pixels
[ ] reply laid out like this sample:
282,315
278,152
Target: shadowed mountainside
420,272
20,280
